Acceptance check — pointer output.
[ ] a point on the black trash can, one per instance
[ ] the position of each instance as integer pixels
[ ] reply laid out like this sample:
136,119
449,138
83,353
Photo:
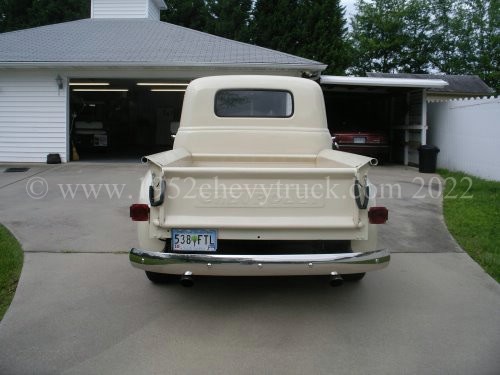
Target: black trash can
427,158
53,159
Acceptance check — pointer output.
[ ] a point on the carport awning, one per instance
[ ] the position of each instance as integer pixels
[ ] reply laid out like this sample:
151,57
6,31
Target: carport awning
382,82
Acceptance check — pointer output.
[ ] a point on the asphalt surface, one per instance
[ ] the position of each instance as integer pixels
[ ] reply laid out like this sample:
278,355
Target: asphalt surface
432,311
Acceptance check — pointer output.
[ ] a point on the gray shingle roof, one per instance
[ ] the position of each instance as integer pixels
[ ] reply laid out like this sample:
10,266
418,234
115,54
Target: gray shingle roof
457,84
135,42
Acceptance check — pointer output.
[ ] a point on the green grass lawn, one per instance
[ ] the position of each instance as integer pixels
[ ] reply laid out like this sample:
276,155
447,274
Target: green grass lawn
472,214
11,262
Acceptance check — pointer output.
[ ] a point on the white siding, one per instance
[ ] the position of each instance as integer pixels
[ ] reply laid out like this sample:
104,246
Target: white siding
153,10
32,117
119,9
468,134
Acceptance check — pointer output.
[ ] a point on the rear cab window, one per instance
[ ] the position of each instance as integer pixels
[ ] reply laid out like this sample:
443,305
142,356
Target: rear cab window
254,103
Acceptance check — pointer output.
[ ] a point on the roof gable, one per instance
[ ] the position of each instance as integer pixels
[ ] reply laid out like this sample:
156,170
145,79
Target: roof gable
138,42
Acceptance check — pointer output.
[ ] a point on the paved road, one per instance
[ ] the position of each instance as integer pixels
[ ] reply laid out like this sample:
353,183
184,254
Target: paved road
90,313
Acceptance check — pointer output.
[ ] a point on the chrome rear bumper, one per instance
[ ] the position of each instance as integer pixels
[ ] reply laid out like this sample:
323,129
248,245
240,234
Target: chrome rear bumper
259,265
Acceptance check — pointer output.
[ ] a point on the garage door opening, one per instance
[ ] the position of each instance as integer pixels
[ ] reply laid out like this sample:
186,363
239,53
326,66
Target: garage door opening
123,119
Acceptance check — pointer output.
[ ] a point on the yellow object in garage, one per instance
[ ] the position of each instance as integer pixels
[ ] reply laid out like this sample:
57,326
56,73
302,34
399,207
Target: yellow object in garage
74,153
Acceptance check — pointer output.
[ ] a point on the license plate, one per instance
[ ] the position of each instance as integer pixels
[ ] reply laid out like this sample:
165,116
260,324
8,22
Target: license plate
359,139
194,240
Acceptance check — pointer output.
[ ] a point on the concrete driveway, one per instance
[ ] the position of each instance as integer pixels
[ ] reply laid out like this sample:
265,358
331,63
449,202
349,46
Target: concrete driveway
79,207
81,309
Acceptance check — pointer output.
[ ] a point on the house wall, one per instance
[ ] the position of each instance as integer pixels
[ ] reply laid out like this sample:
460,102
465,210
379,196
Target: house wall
468,135
125,9
33,116
153,10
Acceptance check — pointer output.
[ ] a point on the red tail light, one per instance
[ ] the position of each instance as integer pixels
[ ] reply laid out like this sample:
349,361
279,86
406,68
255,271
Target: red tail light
378,215
139,212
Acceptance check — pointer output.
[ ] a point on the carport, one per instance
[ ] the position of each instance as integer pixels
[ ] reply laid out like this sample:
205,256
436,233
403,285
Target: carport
395,107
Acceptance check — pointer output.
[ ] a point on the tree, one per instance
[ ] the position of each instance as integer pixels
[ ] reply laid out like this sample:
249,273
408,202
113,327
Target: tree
445,35
478,44
21,14
391,36
466,38
324,34
193,14
416,36
490,53
276,25
416,50
311,29
45,12
12,14
230,18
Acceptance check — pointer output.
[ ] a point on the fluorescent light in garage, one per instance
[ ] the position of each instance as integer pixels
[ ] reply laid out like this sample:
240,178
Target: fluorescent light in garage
89,84
160,84
166,90
110,90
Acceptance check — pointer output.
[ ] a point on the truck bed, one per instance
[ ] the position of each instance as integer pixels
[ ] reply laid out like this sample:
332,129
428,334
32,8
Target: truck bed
258,196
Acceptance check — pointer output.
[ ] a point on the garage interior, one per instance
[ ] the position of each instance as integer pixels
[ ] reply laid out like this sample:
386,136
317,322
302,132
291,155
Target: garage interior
123,119
393,112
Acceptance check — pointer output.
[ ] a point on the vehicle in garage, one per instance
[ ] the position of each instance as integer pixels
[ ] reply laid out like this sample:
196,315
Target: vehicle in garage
253,187
87,128
90,135
369,143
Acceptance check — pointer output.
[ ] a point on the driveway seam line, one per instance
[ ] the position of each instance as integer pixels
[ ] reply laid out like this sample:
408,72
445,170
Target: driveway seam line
32,175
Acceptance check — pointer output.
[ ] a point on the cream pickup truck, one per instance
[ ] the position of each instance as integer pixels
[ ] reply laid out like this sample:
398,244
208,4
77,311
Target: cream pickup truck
252,187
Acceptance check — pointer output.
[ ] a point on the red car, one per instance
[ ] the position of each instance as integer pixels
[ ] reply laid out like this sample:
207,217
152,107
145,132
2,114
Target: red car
374,144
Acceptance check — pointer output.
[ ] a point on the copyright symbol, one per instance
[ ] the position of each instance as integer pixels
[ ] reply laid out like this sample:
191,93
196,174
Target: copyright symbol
37,187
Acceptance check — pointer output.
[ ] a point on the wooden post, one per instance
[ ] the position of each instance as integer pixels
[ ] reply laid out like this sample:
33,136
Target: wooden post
407,133
423,135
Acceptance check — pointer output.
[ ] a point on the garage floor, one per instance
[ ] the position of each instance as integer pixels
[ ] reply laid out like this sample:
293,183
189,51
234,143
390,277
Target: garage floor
432,311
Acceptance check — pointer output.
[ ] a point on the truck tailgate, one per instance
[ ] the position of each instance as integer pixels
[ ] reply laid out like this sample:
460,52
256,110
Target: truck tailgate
242,197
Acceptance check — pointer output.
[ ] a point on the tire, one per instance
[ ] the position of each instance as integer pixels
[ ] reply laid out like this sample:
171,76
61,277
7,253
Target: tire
161,278
353,276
